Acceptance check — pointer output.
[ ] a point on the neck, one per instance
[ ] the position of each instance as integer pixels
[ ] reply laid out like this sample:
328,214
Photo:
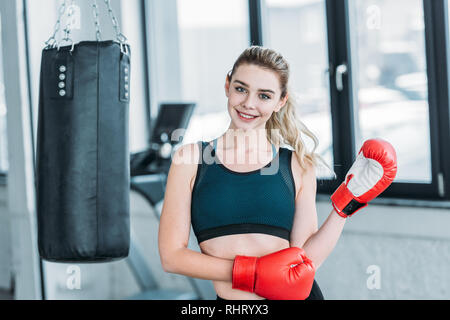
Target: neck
253,140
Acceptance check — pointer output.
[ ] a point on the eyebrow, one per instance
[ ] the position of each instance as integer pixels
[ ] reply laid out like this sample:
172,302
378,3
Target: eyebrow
261,90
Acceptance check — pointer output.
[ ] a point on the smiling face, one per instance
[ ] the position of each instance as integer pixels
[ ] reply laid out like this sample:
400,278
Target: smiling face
253,93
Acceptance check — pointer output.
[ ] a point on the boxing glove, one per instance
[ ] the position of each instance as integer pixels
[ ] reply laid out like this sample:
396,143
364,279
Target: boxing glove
283,275
372,172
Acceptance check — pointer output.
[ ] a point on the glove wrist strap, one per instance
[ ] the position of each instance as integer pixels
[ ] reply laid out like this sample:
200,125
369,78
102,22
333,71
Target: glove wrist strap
344,203
244,273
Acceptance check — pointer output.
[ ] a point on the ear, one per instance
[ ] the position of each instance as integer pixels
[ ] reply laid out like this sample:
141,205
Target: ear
282,103
227,86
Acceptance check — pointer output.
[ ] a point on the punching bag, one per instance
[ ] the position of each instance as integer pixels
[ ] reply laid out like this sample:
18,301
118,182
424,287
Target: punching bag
83,172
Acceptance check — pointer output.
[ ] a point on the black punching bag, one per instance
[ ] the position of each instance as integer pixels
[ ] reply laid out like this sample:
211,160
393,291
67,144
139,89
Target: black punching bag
83,171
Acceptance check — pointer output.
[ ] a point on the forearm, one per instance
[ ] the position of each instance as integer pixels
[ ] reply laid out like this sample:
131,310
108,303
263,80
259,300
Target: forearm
319,246
198,265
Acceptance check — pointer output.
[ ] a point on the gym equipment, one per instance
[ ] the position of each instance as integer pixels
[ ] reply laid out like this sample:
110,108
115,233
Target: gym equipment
83,170
171,122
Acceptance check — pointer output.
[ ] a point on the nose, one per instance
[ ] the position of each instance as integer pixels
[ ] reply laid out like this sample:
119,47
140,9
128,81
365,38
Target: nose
250,102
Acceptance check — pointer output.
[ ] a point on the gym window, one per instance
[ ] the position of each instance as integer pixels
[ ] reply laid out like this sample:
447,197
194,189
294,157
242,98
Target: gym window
192,53
360,69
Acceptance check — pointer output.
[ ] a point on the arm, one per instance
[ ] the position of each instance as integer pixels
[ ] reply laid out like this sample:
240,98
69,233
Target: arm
372,172
174,227
317,243
319,246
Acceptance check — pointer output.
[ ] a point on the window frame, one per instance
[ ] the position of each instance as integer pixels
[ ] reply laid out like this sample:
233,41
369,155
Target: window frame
436,42
437,51
342,108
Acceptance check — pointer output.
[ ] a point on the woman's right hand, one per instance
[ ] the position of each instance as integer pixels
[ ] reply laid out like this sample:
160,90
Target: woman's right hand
287,274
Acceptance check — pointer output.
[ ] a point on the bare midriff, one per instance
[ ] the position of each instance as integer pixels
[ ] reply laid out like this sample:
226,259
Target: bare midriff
228,247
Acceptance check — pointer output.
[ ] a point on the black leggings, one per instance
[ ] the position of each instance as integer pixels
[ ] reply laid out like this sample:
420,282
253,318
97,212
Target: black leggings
316,293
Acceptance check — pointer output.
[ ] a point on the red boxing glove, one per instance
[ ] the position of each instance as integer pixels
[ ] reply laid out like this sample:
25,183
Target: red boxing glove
372,172
283,275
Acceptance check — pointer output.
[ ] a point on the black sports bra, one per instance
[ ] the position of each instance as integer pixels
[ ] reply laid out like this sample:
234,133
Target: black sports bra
226,202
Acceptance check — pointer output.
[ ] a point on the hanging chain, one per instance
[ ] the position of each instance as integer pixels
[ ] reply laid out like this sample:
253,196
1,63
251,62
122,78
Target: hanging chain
98,34
69,25
51,42
119,36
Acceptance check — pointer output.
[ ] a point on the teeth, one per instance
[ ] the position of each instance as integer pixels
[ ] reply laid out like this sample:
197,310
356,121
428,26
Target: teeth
245,116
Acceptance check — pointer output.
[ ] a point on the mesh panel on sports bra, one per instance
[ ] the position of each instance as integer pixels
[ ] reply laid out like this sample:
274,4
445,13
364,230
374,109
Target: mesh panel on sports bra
286,173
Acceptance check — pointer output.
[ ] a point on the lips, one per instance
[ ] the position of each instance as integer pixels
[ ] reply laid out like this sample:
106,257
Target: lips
246,114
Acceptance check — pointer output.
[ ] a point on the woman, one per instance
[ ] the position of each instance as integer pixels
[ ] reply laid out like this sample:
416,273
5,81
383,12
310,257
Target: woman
249,208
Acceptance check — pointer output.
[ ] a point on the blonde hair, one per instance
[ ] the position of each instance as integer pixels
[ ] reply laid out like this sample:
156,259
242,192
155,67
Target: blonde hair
283,127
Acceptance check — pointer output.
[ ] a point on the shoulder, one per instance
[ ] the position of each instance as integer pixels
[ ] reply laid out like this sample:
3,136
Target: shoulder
187,154
184,163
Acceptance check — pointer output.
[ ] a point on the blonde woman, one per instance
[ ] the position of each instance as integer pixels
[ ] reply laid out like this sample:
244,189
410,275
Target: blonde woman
250,199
